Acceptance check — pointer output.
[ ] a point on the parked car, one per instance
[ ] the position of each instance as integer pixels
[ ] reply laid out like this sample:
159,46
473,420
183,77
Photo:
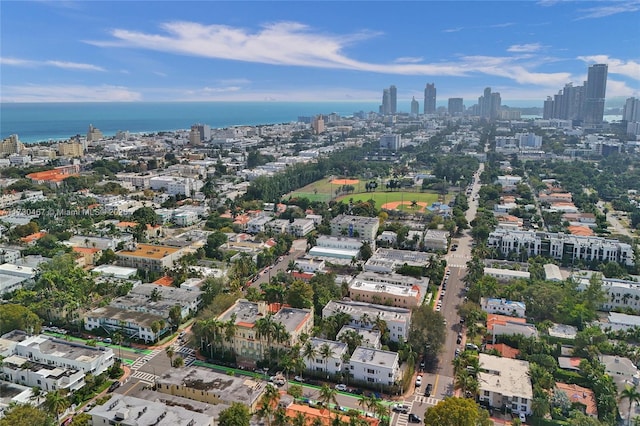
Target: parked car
341,387
522,417
418,381
471,346
115,385
298,379
414,418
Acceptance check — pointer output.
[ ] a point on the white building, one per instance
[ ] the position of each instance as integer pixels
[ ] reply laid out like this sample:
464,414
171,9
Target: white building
257,224
360,227
309,264
128,410
375,366
436,240
364,315
21,370
301,227
618,293
506,274
505,381
401,296
58,352
503,307
561,246
330,365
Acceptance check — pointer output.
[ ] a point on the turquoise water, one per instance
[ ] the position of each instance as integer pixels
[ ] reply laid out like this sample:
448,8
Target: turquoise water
34,122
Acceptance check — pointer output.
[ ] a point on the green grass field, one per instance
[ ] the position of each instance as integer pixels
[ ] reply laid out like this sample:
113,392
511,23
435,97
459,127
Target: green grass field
321,190
382,198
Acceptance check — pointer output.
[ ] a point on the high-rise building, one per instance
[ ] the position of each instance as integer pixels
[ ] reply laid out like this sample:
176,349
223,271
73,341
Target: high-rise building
11,145
430,99
489,104
415,106
547,111
94,134
456,106
385,108
393,94
631,111
318,124
596,89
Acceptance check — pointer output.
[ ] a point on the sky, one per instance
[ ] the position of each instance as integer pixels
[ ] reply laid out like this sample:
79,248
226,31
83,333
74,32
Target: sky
80,51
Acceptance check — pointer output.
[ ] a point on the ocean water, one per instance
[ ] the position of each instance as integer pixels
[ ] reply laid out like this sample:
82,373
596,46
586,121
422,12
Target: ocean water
35,122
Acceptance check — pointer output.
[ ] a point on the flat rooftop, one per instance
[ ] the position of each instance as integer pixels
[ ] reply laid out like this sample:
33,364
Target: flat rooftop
149,251
122,409
56,347
292,318
372,356
356,309
144,319
390,289
505,376
226,388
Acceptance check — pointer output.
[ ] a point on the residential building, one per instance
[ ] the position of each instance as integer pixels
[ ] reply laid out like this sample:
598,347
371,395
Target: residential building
301,227
23,371
336,247
94,134
580,396
364,315
436,240
619,294
70,149
247,345
506,274
631,110
309,264
127,410
552,273
58,352
388,294
55,176
617,321
561,246
149,257
456,106
415,107
513,328
137,325
371,338
430,98
503,307
505,382
363,228
332,364
392,142
375,366
489,104
596,88
11,145
622,370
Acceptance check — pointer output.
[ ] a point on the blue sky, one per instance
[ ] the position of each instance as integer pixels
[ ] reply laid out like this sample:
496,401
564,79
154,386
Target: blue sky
312,51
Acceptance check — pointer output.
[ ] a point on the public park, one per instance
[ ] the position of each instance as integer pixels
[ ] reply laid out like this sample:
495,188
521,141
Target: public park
385,194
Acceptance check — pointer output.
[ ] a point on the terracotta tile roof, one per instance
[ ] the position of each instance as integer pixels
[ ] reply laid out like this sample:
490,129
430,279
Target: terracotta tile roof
581,395
505,350
583,231
165,281
493,319
33,237
324,415
86,250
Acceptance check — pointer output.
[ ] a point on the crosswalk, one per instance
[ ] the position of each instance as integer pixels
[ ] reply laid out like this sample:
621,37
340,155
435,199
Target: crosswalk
144,377
457,265
143,360
188,354
426,400
400,419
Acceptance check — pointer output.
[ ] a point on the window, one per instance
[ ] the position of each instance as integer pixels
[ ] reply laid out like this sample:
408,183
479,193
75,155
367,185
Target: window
371,380
370,371
318,361
486,393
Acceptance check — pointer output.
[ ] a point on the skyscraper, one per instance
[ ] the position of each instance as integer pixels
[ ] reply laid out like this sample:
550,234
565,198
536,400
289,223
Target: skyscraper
596,89
393,93
430,98
456,106
489,104
415,106
631,111
385,108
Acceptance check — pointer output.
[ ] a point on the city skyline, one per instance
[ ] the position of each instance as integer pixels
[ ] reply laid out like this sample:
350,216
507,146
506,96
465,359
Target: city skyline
313,51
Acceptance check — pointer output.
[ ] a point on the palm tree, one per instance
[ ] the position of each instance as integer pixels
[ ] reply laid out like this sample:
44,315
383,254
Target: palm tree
170,353
540,406
631,394
309,351
379,408
268,403
57,402
299,420
326,352
327,396
265,328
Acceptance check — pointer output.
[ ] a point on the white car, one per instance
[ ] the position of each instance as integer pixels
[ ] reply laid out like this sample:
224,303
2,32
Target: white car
522,417
342,388
418,381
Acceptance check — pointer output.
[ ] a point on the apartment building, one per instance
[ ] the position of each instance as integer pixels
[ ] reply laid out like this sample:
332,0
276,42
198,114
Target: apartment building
57,352
330,365
401,296
364,315
149,257
360,227
619,294
247,345
505,381
22,371
375,366
561,246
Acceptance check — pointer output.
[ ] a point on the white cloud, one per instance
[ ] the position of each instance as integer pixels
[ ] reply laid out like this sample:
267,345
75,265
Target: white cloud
616,66
295,44
408,60
609,8
74,66
620,88
452,30
17,62
525,48
69,93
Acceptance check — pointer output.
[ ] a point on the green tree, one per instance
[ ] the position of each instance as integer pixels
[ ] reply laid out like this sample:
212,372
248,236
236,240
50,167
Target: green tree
175,315
145,216
13,316
25,414
237,414
56,402
457,412
631,394
300,294
427,331
170,353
